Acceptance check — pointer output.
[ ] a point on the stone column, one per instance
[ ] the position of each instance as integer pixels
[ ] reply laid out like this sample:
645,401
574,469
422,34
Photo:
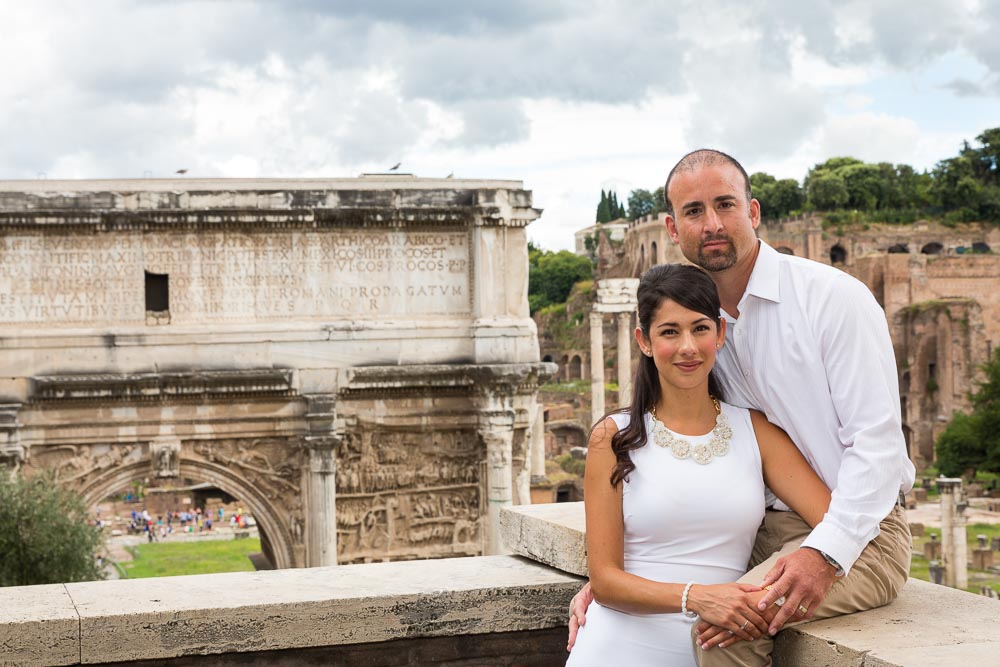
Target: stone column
596,366
496,428
624,359
954,549
538,446
320,488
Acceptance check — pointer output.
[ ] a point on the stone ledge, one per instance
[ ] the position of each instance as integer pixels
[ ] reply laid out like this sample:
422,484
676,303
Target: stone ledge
157,619
926,625
554,534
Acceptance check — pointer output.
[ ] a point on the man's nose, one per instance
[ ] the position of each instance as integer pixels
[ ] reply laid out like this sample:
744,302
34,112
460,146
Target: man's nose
712,221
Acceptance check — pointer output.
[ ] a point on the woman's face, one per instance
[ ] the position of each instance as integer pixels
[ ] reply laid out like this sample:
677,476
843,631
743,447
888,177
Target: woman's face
683,343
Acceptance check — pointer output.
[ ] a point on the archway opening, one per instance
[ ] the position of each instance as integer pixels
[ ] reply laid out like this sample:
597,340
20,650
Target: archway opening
932,248
206,486
576,368
898,248
838,255
654,257
166,527
980,247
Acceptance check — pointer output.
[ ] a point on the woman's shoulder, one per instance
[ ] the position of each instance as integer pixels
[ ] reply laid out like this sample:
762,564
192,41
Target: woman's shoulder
621,419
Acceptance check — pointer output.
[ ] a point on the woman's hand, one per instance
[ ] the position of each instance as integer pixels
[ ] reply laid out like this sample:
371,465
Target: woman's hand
731,608
710,635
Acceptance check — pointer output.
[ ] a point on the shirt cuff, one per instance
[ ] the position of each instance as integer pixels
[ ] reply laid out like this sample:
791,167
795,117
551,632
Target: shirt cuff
837,543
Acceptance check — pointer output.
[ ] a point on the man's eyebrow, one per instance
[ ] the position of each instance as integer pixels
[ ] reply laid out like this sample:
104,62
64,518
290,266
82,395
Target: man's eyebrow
720,198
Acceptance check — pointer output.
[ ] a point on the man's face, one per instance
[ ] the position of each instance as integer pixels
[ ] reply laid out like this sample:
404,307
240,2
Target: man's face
713,223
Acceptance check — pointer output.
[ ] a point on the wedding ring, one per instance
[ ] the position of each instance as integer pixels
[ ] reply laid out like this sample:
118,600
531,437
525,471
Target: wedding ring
803,610
731,633
780,601
745,624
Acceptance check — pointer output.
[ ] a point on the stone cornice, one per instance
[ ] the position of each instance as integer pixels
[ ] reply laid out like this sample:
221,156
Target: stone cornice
263,204
167,386
444,380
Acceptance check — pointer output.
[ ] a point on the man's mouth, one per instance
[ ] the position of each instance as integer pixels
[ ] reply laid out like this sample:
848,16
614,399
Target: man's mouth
715,244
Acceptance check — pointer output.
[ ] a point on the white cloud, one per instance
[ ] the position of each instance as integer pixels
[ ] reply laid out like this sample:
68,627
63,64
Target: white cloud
570,97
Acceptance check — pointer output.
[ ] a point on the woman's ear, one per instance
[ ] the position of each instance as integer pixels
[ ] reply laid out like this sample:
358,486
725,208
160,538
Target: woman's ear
644,345
720,341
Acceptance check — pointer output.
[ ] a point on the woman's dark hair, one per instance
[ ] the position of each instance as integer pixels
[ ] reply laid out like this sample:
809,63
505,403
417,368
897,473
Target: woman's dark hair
691,288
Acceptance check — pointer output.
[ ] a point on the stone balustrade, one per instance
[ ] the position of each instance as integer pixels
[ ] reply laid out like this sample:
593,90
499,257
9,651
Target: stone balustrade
489,610
926,625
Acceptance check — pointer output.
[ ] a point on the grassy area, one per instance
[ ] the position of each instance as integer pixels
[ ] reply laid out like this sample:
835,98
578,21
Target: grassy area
919,568
169,559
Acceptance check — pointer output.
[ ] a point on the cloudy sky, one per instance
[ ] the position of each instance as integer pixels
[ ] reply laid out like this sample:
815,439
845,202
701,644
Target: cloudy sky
570,96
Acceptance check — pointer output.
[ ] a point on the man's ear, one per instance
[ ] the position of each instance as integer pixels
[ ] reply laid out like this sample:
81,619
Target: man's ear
672,229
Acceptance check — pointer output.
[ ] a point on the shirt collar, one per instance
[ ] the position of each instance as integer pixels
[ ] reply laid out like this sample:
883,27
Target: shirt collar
764,282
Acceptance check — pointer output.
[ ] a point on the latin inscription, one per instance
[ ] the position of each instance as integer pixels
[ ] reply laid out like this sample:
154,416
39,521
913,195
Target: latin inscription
233,277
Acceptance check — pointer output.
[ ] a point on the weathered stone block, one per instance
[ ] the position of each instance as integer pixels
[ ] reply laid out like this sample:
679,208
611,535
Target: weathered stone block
554,534
329,606
982,559
926,625
38,626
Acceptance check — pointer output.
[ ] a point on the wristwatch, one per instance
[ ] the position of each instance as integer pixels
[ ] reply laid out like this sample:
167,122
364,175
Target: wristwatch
830,559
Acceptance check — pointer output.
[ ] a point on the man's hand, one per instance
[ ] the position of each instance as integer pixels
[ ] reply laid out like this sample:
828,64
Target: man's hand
578,613
802,578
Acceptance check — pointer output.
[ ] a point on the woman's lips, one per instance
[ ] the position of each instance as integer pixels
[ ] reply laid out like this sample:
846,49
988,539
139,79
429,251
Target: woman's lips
688,365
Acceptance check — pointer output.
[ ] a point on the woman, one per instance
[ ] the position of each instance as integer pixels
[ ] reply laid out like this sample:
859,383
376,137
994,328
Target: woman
674,489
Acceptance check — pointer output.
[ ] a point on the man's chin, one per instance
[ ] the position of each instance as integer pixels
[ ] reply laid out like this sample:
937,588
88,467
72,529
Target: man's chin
716,261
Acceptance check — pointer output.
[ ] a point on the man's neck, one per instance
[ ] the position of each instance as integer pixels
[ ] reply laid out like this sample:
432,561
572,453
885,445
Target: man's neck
732,283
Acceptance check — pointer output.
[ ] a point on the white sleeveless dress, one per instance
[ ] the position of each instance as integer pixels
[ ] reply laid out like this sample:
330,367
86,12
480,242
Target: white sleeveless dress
683,522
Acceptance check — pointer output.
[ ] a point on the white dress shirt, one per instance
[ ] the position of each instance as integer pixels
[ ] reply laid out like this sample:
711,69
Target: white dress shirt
811,350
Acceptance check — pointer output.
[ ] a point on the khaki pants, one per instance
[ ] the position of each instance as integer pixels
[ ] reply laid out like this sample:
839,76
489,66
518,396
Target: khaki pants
875,579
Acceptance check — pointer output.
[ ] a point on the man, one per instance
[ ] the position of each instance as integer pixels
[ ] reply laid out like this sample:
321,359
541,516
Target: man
809,347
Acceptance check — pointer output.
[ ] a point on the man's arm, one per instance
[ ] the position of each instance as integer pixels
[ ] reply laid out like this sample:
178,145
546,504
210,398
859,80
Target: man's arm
861,371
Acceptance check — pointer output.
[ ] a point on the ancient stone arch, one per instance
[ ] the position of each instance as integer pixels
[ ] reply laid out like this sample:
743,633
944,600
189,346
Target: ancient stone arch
576,367
898,248
654,257
838,254
281,529
932,248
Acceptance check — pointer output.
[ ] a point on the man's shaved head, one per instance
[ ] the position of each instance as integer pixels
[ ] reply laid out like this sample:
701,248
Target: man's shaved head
703,157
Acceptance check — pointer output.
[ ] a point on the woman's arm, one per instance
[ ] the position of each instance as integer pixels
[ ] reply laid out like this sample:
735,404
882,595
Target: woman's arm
787,473
614,587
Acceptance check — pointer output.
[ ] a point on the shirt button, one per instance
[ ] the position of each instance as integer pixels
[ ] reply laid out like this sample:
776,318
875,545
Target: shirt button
746,373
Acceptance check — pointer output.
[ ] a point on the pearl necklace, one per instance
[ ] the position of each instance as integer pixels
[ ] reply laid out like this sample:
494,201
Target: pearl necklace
682,449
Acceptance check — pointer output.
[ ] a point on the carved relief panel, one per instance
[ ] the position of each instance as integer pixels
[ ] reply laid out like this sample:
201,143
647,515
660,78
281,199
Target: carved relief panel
407,494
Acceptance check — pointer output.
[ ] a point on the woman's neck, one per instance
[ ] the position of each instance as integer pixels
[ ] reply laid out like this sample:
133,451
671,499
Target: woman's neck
690,411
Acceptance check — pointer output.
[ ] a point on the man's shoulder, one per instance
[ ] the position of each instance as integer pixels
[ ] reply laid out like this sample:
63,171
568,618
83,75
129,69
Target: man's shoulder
816,275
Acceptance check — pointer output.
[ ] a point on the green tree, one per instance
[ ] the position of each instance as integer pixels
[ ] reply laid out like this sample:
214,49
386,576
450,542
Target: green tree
44,534
640,203
827,191
972,442
777,198
552,275
604,208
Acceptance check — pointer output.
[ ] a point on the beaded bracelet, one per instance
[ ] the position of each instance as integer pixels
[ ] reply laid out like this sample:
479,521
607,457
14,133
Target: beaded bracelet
684,601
